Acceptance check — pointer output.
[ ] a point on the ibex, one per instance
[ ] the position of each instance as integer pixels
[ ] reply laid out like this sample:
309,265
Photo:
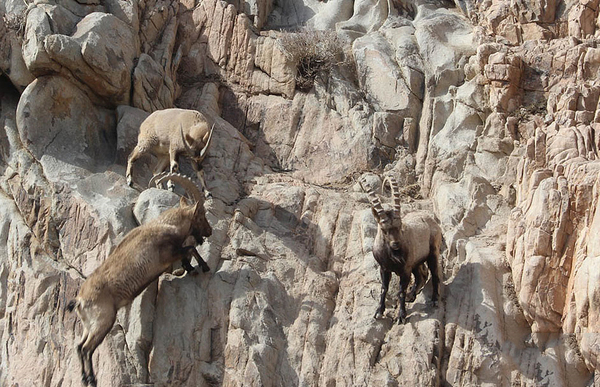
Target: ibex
140,258
169,133
404,246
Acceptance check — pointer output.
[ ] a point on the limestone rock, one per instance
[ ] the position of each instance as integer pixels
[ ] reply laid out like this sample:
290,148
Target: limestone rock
228,42
99,53
152,202
71,129
374,61
488,110
129,120
155,75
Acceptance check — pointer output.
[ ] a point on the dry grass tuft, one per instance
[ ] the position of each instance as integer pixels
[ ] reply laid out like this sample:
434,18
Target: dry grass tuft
313,52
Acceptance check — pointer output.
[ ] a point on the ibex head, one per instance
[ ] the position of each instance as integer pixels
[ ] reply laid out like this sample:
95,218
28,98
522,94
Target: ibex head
195,151
389,221
199,227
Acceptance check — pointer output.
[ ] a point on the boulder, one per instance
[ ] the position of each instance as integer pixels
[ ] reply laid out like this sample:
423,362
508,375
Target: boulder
57,120
99,53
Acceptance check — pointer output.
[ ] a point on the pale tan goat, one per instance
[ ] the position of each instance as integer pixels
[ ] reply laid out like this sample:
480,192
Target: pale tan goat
169,133
403,245
140,258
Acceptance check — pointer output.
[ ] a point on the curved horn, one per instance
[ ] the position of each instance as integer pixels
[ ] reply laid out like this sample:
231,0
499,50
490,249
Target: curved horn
185,182
203,151
185,144
395,192
373,199
375,202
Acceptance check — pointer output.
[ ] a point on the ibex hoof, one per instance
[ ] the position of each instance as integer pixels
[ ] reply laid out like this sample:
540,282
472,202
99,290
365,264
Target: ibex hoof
433,303
378,315
205,268
178,272
411,297
401,318
129,181
90,381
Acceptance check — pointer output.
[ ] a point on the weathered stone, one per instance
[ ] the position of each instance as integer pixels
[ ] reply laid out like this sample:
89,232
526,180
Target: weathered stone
501,138
56,119
152,88
100,54
152,202
387,127
379,74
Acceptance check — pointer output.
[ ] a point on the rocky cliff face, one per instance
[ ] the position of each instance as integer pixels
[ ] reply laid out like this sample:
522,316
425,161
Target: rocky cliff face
490,107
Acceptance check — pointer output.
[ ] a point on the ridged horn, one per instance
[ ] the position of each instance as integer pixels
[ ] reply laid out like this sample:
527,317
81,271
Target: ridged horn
395,192
185,182
203,151
375,202
373,199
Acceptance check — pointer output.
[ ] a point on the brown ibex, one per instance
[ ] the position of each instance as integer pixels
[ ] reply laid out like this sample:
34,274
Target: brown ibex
404,246
140,258
169,133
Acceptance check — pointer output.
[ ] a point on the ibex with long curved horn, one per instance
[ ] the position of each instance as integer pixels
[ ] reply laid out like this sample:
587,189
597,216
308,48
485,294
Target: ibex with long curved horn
403,246
140,258
169,133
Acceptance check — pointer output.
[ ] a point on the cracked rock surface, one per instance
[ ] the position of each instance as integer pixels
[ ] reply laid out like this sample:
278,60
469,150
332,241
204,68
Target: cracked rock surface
485,112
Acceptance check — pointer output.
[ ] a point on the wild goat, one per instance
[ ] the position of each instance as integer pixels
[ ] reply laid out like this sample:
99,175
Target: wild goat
403,246
141,257
169,133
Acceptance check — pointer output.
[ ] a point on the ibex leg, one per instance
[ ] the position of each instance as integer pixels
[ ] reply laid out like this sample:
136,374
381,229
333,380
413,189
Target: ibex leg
420,273
135,154
385,284
434,267
200,175
173,167
104,318
186,261
404,281
84,337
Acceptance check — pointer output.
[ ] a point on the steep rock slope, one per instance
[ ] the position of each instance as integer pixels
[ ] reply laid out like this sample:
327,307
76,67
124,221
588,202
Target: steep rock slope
491,107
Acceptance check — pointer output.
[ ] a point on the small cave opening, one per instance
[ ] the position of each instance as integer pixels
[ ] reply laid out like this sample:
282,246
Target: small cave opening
9,97
6,86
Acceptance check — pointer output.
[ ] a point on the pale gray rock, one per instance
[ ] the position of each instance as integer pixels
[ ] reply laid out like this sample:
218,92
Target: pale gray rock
328,14
501,136
99,53
37,28
55,118
444,38
12,25
367,16
380,76
387,128
129,120
152,202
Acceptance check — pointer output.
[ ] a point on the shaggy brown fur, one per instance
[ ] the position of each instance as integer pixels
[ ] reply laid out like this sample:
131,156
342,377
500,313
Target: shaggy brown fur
142,256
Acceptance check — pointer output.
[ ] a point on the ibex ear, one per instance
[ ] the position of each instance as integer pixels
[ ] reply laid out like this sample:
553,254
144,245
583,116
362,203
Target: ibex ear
183,202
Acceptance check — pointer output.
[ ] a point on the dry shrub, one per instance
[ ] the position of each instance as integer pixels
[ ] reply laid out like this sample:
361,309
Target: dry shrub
313,52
